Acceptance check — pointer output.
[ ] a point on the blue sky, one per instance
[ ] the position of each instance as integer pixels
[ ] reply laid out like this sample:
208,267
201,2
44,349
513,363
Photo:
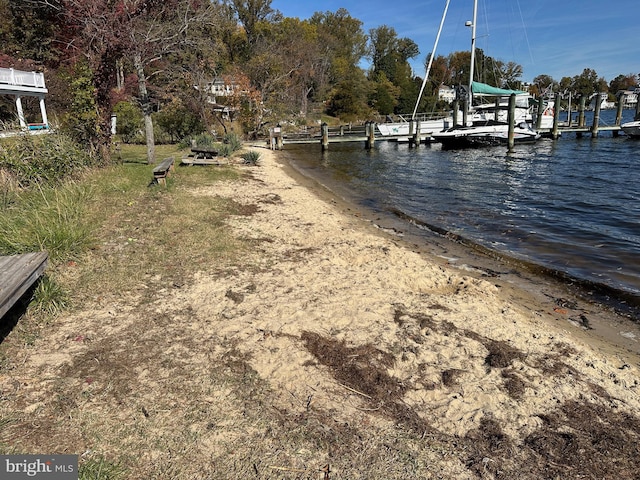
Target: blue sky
559,38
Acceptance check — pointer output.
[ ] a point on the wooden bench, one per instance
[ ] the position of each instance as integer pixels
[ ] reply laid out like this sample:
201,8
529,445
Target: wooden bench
161,172
17,274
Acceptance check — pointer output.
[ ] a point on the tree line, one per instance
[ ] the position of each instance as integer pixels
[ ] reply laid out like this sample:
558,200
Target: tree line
158,58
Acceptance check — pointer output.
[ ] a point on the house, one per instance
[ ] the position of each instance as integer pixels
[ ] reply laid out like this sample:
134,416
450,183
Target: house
21,84
220,88
446,93
629,97
219,91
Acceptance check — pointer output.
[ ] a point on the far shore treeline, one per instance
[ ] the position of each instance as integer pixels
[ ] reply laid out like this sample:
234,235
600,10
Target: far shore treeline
152,63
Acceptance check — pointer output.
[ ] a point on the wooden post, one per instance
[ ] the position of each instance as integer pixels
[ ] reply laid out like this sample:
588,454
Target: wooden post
341,130
456,107
370,128
568,110
556,117
416,135
511,117
539,112
324,141
465,112
596,117
581,108
619,104
412,134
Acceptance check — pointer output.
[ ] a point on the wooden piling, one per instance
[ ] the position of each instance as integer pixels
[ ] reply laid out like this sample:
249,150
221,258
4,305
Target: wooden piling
511,115
581,108
417,138
619,105
456,107
539,112
596,117
370,130
324,141
465,112
412,133
555,133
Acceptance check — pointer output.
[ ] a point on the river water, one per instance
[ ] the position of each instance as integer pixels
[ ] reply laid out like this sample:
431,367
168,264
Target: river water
570,206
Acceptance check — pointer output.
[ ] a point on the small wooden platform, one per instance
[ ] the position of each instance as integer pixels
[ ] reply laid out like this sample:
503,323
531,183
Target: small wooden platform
17,274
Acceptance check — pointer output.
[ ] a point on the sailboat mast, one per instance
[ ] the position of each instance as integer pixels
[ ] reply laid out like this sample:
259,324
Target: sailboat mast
473,51
433,54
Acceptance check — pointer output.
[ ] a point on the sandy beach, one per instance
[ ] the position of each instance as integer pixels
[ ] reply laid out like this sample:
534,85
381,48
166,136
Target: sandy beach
341,317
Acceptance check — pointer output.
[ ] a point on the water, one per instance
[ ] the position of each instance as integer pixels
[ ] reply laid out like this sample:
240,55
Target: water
570,206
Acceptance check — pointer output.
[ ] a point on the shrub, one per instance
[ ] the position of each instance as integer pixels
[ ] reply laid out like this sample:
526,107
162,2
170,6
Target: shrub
51,219
45,159
251,157
129,121
177,121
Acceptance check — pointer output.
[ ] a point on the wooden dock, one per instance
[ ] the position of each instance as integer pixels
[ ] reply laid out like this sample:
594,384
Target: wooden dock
369,134
17,274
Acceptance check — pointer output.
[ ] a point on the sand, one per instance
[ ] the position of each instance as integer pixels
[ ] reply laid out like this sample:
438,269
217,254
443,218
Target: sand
337,313
339,276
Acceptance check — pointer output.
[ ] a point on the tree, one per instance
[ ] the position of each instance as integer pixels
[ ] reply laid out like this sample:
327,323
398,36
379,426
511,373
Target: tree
28,29
343,45
178,121
586,83
390,61
251,13
623,82
543,84
384,95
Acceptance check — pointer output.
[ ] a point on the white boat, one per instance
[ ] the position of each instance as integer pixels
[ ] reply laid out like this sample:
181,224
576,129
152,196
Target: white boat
485,131
402,129
485,134
631,128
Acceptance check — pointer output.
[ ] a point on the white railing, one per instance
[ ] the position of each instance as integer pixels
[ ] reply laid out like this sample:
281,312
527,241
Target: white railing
9,76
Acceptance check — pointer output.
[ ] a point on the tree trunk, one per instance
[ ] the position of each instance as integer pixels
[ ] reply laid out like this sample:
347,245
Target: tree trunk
145,103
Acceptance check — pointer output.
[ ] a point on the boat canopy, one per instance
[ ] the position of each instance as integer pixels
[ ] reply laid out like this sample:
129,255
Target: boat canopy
483,89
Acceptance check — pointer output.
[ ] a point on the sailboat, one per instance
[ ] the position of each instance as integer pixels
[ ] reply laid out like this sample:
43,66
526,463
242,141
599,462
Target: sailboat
426,124
483,130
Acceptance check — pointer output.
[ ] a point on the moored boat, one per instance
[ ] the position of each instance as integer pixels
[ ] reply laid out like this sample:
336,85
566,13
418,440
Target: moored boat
485,134
631,128
485,131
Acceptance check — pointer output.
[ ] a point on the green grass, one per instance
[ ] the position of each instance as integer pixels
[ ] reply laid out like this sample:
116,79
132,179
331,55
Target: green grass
101,469
114,229
48,218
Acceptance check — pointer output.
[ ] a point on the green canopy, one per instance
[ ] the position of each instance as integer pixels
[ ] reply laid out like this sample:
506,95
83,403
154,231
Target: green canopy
483,89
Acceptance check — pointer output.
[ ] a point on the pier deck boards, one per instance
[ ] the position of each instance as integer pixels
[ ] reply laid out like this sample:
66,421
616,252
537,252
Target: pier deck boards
17,274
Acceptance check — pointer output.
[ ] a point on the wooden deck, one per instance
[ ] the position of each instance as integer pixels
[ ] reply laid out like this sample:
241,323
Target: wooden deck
17,274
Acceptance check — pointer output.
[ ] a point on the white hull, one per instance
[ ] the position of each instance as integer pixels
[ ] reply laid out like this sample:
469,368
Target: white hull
631,128
402,129
490,134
